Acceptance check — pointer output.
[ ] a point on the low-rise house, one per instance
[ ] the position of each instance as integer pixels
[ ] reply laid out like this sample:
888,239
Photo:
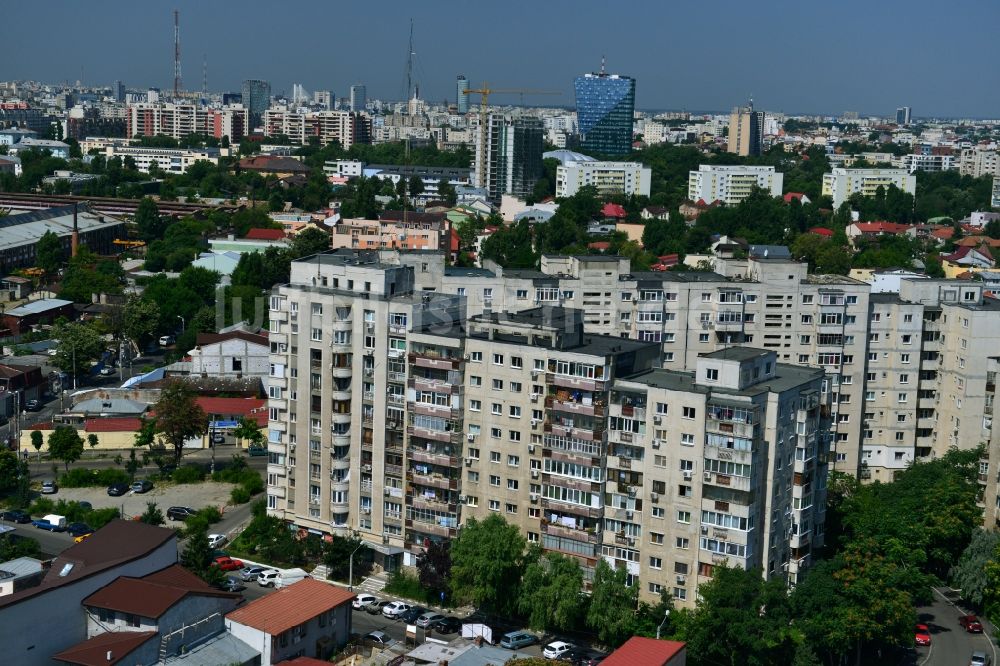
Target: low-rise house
858,230
21,319
18,384
236,353
966,258
308,618
19,574
641,651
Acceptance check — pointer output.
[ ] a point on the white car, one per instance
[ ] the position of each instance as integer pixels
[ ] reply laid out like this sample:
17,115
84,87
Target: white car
395,609
556,649
216,540
363,600
268,578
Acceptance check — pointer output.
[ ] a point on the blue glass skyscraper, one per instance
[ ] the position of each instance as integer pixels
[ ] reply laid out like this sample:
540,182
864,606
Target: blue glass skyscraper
605,104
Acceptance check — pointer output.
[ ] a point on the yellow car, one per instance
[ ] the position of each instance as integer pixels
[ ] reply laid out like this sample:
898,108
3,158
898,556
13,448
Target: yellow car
83,537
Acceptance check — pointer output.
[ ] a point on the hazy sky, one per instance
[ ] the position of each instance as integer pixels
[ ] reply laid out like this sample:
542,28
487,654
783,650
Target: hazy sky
796,56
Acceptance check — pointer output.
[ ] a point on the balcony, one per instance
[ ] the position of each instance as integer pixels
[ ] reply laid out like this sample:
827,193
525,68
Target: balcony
433,385
729,455
431,528
453,437
564,531
729,321
575,509
734,428
594,409
573,446
433,361
394,470
422,502
340,463
365,487
433,458
579,383
727,481
432,480
442,411
576,432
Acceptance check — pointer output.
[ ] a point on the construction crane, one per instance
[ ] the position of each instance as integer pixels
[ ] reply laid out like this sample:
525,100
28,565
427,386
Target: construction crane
129,243
484,103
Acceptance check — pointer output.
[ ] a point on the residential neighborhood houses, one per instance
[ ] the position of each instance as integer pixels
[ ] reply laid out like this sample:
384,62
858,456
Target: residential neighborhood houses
388,376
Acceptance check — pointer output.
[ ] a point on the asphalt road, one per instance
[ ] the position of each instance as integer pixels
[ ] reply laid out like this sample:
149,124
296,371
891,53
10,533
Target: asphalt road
950,643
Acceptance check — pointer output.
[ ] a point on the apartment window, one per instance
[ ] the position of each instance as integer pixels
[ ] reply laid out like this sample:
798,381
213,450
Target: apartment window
316,335
522,294
687,439
655,563
513,461
680,593
495,480
907,339
625,317
684,517
496,433
706,297
497,384
516,362
682,542
804,339
515,387
510,508
901,397
476,357
475,405
131,620
511,484
655,537
494,505
806,319
539,364
475,381
899,437
473,453
807,298
712,374
689,412
803,358
904,358
658,512
497,359
497,408
904,378
852,300
514,411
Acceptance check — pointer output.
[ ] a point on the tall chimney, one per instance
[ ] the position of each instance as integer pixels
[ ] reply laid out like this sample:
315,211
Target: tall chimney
75,239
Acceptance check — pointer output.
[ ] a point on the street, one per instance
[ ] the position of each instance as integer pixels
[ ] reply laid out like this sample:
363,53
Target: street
950,643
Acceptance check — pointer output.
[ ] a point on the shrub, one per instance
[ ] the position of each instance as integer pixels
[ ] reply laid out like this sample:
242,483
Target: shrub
407,586
239,495
189,474
253,484
87,478
41,506
98,518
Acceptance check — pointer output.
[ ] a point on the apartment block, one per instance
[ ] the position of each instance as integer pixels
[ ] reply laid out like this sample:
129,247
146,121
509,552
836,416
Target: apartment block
403,230
989,464
607,177
508,154
345,127
732,184
995,196
977,162
181,120
841,183
169,160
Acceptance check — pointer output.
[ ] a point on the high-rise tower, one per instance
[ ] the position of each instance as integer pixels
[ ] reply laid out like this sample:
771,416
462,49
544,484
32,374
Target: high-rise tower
746,130
256,98
462,94
359,97
605,105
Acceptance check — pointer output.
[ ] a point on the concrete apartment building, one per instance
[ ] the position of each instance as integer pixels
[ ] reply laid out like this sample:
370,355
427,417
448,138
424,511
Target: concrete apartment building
508,154
921,162
169,160
977,162
841,183
989,464
746,131
395,230
608,177
180,120
995,196
732,184
344,127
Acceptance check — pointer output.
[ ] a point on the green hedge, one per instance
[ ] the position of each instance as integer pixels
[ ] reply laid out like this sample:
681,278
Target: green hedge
89,478
189,474
74,512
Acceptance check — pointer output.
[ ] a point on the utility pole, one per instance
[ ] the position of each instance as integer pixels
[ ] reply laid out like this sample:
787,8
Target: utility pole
177,54
409,65
204,77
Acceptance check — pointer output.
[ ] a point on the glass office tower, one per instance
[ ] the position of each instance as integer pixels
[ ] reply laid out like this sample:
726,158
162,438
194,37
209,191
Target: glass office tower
605,104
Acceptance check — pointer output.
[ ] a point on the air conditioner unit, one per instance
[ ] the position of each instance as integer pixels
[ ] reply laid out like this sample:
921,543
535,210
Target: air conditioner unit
681,580
688,474
708,476
704,529
533,496
534,473
534,397
656,443
534,422
534,374
471,437
366,511
632,490
654,497
291,447
657,420
631,541
387,491
468,462
531,448
370,327
628,515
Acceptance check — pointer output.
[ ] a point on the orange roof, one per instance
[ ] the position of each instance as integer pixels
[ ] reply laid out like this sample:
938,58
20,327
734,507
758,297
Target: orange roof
599,245
881,227
112,424
265,234
94,652
821,231
291,606
975,241
227,406
640,651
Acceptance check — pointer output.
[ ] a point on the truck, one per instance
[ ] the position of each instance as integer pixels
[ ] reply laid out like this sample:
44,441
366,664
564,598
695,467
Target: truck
51,522
289,576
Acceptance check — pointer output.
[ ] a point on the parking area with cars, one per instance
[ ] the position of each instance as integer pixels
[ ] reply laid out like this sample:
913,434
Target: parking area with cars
132,499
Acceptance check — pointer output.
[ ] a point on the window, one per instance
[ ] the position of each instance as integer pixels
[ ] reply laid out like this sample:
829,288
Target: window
907,339
687,439
712,374
513,461
684,517
496,433
689,412
514,411
516,362
497,359
682,542
317,334
475,381
510,508
475,405
899,437
904,378
904,358
476,357
658,512
901,397
522,294
494,480
515,387
655,563
497,384
511,484
494,456
494,505
655,537
496,408
131,620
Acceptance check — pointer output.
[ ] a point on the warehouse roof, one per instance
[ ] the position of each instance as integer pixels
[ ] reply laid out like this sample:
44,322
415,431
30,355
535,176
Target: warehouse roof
28,228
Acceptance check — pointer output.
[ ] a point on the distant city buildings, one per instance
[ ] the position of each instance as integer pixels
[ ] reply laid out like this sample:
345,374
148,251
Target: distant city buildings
256,98
605,105
512,160
181,120
903,115
119,91
995,199
629,178
732,184
746,131
841,183
168,160
323,99
461,94
359,98
977,162
344,127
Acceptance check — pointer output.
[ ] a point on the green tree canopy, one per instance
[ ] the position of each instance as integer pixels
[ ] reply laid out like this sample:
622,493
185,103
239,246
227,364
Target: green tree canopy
179,417
79,345
65,444
552,593
611,614
487,561
49,252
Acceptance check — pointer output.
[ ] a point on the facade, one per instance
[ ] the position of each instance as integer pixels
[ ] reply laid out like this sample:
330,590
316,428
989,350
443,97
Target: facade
995,197
989,464
178,121
977,162
746,131
903,115
630,178
20,233
509,158
359,98
55,148
232,354
409,231
605,105
732,184
841,183
169,160
461,94
256,98
929,162
344,127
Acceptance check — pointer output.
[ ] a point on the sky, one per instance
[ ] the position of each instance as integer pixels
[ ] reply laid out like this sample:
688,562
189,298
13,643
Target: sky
792,56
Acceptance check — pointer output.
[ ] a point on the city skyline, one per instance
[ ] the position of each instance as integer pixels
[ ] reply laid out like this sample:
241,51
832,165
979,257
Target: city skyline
676,67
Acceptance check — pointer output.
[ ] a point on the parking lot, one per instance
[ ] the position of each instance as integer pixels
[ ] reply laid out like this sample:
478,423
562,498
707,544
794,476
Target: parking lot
194,495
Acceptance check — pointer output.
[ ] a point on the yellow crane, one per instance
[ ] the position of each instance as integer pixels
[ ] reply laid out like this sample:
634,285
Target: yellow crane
484,102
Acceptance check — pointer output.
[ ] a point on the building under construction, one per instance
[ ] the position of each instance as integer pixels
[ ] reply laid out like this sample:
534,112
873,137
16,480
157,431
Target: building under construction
76,226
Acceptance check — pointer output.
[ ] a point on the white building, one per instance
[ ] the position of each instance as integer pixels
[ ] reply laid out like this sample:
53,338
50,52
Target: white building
236,353
170,160
977,162
995,199
914,163
608,177
732,184
841,183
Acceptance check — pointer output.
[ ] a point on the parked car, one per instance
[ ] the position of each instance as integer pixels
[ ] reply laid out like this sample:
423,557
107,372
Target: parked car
268,578
108,370
427,619
251,572
517,639
922,635
143,486
447,625
378,638
218,438
980,659
76,529
216,540
15,516
117,489
410,616
49,487
556,649
971,624
255,451
85,506
167,340
582,657
51,522
33,405
363,600
394,609
180,512
232,584
375,607
228,564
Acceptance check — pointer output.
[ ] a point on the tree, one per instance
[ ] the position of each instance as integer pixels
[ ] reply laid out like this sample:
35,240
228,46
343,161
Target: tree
552,593
179,417
969,574
148,221
140,318
92,441
49,252
248,431
416,185
37,440
197,555
446,192
309,242
152,515
337,557
434,567
511,247
487,560
12,468
79,346
65,444
612,605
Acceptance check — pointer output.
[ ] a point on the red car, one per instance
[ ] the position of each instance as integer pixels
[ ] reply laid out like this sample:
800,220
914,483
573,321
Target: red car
971,624
922,635
228,564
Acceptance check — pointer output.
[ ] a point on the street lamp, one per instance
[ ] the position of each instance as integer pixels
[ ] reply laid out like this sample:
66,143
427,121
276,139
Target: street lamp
350,567
182,323
666,614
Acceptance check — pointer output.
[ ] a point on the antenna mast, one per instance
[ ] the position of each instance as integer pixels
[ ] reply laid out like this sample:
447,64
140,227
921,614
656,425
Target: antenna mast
177,54
409,65
204,77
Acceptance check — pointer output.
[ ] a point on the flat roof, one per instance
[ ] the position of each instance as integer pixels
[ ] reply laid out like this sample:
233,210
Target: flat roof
458,271
786,376
738,353
27,228
37,307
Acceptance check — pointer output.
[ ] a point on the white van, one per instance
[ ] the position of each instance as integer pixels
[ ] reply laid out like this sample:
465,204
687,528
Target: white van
289,576
166,340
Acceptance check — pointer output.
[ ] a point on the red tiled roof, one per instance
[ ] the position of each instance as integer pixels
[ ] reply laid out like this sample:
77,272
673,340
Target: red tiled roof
112,424
881,227
456,242
95,651
153,595
943,233
265,234
822,231
613,210
964,250
225,406
290,606
793,195
211,338
275,163
599,245
640,651
976,241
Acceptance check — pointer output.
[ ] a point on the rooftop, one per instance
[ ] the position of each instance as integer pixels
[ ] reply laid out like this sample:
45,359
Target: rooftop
153,595
290,606
36,307
105,649
212,338
641,651
27,228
